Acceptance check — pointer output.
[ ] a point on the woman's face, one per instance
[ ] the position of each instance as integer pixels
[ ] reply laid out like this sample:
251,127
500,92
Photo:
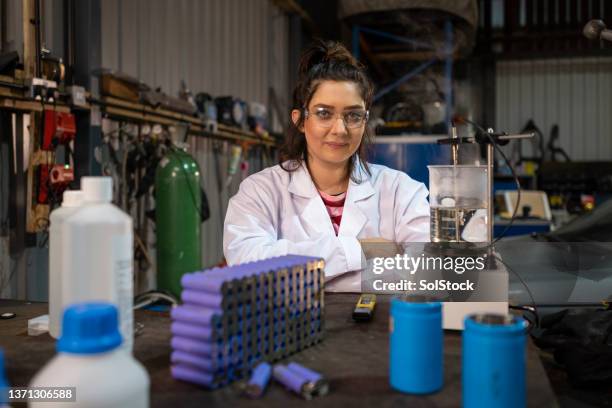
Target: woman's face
328,139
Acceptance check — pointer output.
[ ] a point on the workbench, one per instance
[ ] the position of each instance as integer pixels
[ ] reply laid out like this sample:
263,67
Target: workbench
353,356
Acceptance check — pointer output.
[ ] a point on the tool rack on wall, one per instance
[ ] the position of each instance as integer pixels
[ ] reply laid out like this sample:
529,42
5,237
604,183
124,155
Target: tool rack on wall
13,99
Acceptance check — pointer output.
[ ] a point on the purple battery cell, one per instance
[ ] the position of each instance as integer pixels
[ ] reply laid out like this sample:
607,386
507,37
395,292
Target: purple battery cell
186,373
213,280
198,362
197,315
316,383
311,376
289,379
202,298
304,372
194,331
187,345
246,270
215,272
261,267
259,380
198,281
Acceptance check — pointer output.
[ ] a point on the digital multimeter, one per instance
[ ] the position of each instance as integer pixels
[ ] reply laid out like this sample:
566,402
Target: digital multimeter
364,310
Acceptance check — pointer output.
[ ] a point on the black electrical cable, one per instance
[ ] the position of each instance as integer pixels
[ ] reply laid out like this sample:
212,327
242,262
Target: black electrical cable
533,302
526,312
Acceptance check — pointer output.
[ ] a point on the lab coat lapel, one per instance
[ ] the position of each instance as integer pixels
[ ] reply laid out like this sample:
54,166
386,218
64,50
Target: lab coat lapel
353,217
314,213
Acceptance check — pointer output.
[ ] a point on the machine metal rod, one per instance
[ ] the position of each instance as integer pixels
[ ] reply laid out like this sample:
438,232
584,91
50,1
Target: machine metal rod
448,72
516,136
490,192
454,146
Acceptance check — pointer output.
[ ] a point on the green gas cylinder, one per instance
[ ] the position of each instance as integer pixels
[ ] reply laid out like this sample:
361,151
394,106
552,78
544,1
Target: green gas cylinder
177,213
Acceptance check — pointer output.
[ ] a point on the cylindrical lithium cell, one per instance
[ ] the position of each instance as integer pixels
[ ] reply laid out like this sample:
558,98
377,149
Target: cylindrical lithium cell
416,345
198,362
191,330
304,372
199,281
184,373
202,298
494,361
288,378
197,315
191,346
258,382
317,382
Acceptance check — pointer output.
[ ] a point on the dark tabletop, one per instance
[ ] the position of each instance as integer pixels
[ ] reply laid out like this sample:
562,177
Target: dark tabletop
353,356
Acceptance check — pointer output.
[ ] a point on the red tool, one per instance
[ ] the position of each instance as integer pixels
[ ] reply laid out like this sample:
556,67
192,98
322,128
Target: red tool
59,128
54,176
61,176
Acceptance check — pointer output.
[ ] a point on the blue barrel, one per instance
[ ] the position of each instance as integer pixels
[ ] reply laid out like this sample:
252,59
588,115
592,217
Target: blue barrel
410,154
494,361
416,345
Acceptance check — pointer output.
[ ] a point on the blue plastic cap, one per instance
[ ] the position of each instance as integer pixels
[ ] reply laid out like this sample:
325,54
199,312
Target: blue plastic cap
89,328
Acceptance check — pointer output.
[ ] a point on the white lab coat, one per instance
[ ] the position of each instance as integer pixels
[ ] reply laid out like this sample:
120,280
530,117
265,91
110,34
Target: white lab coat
276,213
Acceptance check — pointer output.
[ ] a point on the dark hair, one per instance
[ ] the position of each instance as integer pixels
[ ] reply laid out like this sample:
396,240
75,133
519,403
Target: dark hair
325,60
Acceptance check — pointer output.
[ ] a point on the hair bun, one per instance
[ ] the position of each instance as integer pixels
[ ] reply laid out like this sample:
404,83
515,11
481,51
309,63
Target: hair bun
325,51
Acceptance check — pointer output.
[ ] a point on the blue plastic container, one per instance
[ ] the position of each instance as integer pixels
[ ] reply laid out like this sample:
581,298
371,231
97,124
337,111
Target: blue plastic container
4,385
416,345
494,361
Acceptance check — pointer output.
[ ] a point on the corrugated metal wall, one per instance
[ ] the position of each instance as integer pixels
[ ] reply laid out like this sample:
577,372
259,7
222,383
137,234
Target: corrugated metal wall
223,47
14,27
51,26
574,93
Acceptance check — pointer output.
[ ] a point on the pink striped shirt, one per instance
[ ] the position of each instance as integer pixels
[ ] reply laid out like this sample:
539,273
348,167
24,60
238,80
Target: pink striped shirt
334,205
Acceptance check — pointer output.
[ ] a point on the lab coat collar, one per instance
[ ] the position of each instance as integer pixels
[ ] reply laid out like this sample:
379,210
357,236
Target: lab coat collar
315,214
363,189
353,217
301,183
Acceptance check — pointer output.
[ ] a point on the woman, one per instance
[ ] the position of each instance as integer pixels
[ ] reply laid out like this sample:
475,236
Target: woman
324,199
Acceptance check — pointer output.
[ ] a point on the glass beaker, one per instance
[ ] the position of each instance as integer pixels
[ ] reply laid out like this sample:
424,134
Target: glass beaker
458,203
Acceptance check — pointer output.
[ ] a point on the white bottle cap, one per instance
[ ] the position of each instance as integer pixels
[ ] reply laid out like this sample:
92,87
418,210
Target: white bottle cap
97,189
72,198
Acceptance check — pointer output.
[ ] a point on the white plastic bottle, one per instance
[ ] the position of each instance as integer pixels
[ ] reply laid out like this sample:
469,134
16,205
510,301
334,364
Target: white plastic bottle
91,360
99,263
72,200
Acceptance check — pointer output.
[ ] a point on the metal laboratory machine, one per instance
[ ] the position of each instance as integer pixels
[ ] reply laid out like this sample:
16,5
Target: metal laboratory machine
461,208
